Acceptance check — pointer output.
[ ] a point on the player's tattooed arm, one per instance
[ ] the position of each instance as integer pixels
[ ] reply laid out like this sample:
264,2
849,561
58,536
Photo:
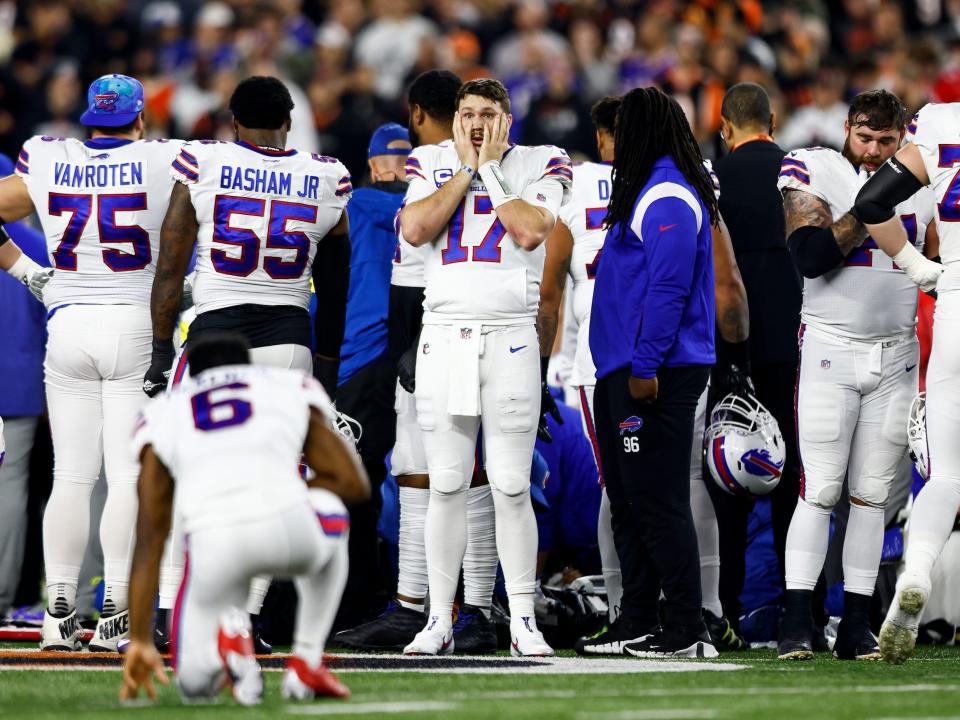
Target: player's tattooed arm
555,269
803,209
733,314
177,237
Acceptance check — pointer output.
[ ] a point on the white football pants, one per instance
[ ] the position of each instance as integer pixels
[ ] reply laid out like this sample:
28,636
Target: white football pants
221,562
95,361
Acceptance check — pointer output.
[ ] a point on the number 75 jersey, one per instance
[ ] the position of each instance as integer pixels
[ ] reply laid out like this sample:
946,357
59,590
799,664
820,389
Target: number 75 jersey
474,270
101,203
262,213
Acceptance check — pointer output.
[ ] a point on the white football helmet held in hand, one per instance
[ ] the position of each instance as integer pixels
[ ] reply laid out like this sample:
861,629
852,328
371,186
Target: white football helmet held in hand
743,446
917,435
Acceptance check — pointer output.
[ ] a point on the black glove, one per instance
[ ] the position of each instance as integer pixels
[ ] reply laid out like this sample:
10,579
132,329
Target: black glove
735,379
407,367
547,404
161,362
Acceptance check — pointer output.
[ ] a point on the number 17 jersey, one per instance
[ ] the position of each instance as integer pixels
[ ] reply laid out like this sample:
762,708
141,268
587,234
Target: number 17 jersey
261,213
474,269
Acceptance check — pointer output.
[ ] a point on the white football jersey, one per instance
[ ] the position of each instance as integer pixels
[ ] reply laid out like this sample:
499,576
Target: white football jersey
101,203
474,270
584,215
261,214
935,130
868,297
409,262
232,438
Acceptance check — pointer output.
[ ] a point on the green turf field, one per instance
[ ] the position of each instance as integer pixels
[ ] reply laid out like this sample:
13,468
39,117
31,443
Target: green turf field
926,687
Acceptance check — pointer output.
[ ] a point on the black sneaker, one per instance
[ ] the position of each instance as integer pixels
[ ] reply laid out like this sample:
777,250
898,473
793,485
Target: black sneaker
611,639
794,647
855,641
674,641
473,633
394,629
796,627
722,634
818,639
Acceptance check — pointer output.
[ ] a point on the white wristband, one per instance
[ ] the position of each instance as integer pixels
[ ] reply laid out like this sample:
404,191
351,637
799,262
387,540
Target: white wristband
23,268
498,189
922,271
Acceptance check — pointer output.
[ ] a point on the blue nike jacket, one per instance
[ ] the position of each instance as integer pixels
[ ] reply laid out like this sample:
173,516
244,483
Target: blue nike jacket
653,302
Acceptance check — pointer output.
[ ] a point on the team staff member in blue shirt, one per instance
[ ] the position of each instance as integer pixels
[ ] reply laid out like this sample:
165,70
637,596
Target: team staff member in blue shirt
652,339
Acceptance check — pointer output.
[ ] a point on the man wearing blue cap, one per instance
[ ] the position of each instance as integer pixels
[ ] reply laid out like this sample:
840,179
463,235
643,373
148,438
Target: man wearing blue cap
367,379
101,203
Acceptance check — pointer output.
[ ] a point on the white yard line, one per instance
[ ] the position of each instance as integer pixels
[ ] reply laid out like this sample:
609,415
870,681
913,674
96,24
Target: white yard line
665,714
379,708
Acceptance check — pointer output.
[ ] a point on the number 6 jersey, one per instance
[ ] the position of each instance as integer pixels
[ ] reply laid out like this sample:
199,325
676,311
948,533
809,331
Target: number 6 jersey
101,203
474,270
261,214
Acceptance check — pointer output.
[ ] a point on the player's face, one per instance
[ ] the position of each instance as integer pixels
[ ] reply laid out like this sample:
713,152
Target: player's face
870,148
477,111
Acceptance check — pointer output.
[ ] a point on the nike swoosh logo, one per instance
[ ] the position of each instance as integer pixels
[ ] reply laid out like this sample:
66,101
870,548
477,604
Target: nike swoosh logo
910,367
517,349
664,228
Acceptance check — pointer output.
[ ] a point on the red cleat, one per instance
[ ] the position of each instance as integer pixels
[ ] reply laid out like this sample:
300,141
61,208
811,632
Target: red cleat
301,682
235,645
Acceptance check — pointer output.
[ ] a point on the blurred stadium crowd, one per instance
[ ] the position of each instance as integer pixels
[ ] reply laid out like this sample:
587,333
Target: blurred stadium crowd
348,62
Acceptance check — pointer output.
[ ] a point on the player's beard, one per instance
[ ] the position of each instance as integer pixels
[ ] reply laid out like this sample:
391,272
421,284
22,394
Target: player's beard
857,160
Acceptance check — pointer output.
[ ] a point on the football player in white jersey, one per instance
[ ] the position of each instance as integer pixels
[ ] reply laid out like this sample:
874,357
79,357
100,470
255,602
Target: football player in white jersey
230,440
257,213
484,208
101,203
857,372
930,158
432,99
573,249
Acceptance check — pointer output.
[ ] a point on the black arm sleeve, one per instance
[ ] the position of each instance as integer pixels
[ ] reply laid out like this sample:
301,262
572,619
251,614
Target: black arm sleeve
403,319
878,198
331,280
814,250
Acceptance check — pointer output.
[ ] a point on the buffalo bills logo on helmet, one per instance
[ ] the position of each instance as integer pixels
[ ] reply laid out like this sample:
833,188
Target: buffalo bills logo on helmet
631,425
758,462
106,101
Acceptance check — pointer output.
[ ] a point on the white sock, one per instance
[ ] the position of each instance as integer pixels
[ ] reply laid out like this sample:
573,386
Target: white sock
931,522
862,548
412,571
609,560
319,598
708,542
117,527
807,541
258,592
445,536
517,548
66,527
480,557
61,596
171,569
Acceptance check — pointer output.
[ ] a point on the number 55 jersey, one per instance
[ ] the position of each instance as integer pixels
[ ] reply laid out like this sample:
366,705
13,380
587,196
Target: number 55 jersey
101,203
261,214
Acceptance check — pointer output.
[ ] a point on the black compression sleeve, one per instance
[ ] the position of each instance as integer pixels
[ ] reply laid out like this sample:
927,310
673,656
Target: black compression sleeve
331,280
890,185
3,232
814,250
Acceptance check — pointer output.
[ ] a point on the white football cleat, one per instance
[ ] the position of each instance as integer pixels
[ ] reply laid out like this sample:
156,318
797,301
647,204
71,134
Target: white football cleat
432,640
898,636
526,640
111,630
235,645
60,633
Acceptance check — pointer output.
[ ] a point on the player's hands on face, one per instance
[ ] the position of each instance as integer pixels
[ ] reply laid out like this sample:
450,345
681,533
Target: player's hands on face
464,145
496,139
141,664
643,390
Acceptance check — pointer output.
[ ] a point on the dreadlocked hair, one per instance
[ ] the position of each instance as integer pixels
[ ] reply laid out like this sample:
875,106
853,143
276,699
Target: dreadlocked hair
650,125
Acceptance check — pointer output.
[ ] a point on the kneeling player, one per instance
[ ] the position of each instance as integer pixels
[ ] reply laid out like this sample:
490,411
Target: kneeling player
231,437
